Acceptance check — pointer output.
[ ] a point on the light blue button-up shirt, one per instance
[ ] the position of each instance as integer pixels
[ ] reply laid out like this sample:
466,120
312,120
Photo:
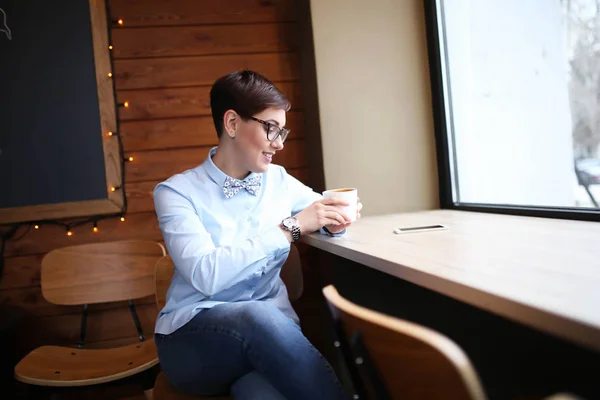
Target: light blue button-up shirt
225,250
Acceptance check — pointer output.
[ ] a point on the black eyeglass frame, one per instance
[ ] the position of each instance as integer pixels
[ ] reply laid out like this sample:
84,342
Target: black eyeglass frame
284,133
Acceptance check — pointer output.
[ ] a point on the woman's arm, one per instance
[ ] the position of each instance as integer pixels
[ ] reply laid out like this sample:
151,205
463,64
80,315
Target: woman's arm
210,269
303,196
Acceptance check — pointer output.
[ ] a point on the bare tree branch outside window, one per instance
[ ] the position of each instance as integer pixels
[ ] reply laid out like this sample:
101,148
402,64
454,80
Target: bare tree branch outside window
583,40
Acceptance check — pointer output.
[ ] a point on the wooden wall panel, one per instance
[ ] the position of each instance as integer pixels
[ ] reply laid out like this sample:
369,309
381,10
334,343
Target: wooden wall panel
203,40
142,226
183,102
195,71
292,156
21,272
200,12
160,164
168,133
299,173
184,132
139,196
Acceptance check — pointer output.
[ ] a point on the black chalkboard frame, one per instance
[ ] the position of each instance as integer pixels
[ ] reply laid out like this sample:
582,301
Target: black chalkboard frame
114,202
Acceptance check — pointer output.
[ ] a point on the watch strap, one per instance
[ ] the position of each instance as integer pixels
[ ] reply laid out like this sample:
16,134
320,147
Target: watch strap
294,230
295,233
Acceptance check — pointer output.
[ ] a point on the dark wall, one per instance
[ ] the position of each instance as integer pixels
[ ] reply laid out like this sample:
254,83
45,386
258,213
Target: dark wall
50,135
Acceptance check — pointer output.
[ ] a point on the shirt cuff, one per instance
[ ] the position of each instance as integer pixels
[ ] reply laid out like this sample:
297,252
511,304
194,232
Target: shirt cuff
325,231
273,240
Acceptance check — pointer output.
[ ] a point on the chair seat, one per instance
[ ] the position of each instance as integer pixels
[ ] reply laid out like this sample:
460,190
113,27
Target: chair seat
163,390
66,366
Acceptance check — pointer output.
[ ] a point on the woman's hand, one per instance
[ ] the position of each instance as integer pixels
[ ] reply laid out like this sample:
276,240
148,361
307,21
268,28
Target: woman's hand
324,212
340,228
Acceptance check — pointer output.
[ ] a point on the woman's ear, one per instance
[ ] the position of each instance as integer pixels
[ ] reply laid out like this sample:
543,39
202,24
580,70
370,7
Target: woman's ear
231,120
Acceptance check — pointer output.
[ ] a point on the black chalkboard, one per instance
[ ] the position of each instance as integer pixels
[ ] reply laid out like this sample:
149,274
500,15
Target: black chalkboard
50,132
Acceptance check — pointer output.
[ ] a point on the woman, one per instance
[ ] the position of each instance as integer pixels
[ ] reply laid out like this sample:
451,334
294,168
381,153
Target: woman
228,326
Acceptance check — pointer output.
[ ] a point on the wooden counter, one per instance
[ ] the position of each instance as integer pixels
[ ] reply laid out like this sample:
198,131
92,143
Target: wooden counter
543,273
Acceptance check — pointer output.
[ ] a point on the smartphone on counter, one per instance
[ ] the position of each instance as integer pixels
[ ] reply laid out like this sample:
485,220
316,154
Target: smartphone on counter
414,229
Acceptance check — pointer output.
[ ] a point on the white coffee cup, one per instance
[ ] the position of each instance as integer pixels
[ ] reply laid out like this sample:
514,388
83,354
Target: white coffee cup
349,195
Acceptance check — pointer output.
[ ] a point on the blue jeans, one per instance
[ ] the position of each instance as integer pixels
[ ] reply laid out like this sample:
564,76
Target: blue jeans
251,350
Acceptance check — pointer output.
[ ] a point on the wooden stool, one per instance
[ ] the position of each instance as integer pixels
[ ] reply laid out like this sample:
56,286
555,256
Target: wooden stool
163,390
93,274
71,367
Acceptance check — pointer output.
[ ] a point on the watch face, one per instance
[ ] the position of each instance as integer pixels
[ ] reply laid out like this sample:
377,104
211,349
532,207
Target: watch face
289,222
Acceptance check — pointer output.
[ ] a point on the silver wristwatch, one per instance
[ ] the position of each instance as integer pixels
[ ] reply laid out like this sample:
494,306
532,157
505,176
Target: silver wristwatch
291,224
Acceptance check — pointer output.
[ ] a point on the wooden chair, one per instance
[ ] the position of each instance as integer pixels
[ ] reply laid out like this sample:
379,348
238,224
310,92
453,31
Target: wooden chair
291,274
92,274
388,358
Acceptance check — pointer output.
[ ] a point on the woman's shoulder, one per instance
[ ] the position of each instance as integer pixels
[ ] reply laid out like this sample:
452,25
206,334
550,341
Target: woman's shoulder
185,181
276,172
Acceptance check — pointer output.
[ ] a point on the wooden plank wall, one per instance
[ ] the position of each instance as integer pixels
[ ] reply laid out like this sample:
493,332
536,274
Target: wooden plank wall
166,56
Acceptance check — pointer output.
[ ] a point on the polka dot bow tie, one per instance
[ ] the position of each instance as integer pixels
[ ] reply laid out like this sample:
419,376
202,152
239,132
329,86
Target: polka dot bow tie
232,186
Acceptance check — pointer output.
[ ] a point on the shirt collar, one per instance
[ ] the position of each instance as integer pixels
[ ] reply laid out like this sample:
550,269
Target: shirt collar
214,172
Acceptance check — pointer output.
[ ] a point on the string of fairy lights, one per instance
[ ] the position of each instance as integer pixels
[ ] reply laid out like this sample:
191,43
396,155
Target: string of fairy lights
10,231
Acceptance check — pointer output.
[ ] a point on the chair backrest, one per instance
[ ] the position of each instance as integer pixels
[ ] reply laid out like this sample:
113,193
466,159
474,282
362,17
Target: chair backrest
291,274
411,361
100,272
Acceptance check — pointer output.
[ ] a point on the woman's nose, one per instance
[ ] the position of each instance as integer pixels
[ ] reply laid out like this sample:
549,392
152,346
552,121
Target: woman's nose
277,143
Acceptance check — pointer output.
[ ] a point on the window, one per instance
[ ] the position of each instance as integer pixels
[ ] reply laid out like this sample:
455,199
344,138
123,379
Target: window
516,95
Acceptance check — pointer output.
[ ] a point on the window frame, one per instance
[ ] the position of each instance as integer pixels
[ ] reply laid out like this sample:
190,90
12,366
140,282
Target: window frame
445,160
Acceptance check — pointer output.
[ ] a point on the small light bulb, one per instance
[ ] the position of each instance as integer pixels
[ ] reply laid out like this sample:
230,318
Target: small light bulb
112,189
95,229
130,159
110,47
120,22
36,226
69,233
122,219
126,104
110,74
110,133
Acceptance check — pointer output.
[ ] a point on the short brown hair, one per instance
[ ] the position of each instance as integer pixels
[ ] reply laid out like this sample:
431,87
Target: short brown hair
247,93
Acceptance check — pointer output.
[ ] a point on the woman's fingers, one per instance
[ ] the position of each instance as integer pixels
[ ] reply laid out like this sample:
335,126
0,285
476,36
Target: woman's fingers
336,217
334,201
339,211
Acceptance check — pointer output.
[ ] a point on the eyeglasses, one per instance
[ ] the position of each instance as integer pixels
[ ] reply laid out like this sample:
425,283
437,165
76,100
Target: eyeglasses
273,131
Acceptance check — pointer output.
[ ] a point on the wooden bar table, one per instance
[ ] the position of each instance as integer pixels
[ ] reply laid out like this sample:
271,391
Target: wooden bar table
506,288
